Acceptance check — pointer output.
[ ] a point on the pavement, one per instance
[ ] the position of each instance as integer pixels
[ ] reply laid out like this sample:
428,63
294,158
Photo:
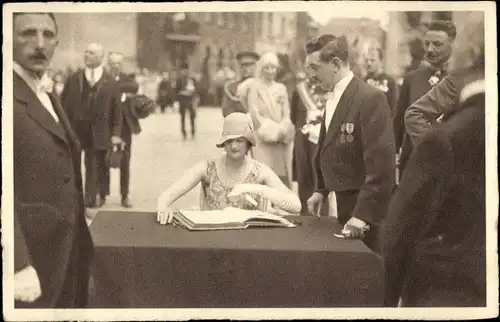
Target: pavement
160,157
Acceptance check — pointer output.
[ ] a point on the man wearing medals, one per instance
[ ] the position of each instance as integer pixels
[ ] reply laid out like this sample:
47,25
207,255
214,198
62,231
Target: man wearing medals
231,101
377,78
307,107
438,46
355,153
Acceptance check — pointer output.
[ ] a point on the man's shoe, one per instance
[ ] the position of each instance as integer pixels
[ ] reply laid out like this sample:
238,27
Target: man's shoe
126,202
100,201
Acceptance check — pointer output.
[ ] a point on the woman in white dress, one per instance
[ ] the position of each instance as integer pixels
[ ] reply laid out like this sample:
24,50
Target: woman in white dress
269,108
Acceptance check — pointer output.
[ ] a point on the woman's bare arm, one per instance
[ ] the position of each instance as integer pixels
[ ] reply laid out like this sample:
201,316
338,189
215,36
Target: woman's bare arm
182,186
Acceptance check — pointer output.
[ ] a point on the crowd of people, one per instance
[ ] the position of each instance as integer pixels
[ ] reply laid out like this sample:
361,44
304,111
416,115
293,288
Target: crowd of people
327,129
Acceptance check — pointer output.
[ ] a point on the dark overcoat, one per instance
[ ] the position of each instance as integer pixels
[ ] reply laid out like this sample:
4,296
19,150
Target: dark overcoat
50,230
434,240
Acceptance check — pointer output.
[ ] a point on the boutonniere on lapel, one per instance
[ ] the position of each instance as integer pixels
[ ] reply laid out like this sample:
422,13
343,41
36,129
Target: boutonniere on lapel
434,80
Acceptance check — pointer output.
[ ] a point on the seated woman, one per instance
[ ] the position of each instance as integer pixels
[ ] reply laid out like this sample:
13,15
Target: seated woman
226,180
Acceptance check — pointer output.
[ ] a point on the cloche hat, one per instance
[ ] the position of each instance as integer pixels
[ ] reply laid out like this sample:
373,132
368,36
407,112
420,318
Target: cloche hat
236,125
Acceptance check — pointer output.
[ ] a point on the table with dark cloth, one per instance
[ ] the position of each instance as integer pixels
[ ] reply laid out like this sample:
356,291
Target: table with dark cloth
141,264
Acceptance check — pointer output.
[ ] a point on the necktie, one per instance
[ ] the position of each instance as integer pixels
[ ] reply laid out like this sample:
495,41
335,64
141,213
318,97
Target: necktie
92,77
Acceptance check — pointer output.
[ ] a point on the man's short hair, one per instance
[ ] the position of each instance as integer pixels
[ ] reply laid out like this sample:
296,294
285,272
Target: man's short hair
444,25
50,14
318,43
337,48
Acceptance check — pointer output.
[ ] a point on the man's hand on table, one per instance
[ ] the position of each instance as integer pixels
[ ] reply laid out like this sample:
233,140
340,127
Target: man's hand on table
355,229
27,285
314,203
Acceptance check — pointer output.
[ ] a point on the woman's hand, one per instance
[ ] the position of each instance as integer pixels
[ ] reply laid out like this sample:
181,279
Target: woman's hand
242,188
164,216
164,213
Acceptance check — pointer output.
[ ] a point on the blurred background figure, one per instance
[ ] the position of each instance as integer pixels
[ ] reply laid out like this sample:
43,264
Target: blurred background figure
130,122
417,53
232,101
435,234
269,107
307,106
224,75
285,74
165,96
58,83
375,75
188,98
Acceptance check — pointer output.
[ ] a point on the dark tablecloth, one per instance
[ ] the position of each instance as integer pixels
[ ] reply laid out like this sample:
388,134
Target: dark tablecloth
141,264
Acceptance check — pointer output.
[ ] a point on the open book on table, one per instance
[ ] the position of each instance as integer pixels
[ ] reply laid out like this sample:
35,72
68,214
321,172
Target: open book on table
229,218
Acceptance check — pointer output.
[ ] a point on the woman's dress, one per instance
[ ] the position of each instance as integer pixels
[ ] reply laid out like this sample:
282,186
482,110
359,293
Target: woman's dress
214,190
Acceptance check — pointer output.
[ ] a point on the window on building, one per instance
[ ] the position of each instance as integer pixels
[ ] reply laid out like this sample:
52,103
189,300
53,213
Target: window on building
225,18
207,16
243,21
283,26
258,23
442,15
220,18
270,24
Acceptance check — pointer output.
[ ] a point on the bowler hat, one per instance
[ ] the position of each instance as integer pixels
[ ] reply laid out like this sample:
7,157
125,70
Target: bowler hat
236,125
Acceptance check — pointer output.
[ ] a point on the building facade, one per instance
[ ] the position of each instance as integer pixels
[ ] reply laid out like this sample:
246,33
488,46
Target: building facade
275,31
115,31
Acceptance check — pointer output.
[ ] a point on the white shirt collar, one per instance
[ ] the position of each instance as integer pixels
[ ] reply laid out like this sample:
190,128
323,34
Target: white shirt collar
33,82
98,71
343,83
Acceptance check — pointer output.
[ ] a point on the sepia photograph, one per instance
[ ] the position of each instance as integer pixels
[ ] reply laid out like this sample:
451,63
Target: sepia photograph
249,160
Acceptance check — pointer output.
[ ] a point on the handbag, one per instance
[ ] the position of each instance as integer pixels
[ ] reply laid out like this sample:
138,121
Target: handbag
114,156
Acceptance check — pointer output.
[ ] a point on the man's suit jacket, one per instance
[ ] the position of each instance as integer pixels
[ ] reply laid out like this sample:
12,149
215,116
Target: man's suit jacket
50,230
128,85
440,100
415,85
434,239
367,164
105,112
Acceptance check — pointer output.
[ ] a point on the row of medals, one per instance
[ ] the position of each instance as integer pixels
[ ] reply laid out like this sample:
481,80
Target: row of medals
319,98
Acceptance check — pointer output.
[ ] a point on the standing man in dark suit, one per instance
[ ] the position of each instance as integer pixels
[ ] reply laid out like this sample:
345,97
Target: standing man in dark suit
188,98
355,154
376,76
231,102
130,123
91,98
52,244
435,234
438,44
